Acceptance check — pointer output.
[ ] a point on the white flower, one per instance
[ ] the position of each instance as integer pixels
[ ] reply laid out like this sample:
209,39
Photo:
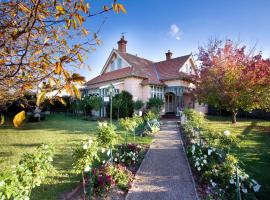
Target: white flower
204,161
103,161
109,152
231,181
115,159
256,188
197,164
90,141
2,183
102,150
199,169
209,152
85,146
123,160
227,133
87,169
133,158
244,190
213,184
193,149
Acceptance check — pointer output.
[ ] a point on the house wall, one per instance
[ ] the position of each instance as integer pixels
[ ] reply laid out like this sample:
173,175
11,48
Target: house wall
134,87
146,93
178,83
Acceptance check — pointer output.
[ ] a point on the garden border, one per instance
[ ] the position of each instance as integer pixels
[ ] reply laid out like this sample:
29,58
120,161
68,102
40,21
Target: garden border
189,168
139,169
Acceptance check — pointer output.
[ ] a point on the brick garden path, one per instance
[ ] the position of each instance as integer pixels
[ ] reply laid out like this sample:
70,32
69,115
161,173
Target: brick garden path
164,173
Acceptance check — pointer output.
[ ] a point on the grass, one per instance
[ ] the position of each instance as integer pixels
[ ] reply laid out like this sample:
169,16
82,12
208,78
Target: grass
254,148
60,131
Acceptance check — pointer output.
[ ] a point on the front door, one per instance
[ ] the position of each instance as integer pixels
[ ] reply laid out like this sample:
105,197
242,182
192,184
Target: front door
170,103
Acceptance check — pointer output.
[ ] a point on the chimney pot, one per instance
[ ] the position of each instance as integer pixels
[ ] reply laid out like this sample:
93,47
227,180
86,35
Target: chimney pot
168,55
122,45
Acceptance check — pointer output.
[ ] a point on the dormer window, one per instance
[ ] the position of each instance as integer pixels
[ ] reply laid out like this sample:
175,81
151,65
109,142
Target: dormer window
119,63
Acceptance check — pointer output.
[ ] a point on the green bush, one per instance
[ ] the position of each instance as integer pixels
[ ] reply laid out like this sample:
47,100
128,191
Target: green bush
123,105
138,105
28,174
155,104
94,102
150,115
106,134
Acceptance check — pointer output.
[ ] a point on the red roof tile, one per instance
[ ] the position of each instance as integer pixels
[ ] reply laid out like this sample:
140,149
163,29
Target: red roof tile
151,73
169,69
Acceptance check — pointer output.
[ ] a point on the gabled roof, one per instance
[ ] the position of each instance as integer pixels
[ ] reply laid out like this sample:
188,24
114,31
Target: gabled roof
150,72
169,69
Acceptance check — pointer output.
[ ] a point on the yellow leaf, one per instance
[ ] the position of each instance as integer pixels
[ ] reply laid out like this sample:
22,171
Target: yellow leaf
2,119
40,97
22,105
80,58
85,32
58,68
66,74
74,24
121,7
68,23
51,82
62,101
18,119
79,18
105,8
76,91
77,78
60,9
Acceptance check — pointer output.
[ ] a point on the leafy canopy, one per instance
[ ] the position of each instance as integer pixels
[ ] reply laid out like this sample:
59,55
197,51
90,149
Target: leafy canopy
42,43
232,78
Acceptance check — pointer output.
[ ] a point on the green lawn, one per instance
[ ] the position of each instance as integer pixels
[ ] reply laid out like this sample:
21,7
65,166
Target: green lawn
60,131
254,150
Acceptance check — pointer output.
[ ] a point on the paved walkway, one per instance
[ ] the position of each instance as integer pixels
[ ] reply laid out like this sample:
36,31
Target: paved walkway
164,173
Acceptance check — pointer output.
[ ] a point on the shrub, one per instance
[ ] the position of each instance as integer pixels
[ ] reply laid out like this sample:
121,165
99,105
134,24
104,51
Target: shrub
128,155
150,115
106,134
155,104
94,102
28,174
138,105
214,164
84,157
122,177
102,179
123,105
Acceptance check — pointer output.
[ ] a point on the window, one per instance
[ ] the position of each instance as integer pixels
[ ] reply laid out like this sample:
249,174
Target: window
112,66
119,63
157,92
190,69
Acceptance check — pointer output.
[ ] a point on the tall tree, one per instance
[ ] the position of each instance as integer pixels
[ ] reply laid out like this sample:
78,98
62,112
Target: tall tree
39,45
232,78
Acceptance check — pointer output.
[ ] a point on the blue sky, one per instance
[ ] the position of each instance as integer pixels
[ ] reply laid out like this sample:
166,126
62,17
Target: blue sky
154,26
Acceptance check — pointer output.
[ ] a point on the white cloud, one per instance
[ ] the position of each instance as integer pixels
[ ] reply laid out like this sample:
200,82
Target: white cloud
175,32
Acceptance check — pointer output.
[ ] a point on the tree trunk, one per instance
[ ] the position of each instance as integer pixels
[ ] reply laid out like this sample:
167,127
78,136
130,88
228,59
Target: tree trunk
234,113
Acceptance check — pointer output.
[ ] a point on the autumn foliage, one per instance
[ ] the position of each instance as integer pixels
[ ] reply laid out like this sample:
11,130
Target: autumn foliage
232,78
42,43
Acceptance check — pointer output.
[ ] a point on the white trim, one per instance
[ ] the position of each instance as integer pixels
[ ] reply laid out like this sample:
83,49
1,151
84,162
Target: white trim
114,84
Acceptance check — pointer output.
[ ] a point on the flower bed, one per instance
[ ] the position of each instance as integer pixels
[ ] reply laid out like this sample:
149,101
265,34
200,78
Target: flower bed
216,171
106,167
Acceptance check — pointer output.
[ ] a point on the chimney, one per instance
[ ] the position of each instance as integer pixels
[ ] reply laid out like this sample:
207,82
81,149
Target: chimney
168,55
122,45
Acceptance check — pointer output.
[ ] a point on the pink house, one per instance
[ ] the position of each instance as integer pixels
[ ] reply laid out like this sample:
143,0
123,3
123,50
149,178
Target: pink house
169,79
